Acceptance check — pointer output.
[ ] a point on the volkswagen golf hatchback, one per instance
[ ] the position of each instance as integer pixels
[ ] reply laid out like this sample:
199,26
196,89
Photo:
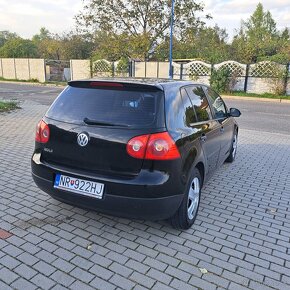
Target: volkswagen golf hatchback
140,149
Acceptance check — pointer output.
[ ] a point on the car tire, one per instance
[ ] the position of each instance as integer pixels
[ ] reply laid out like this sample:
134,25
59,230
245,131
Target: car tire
234,148
187,212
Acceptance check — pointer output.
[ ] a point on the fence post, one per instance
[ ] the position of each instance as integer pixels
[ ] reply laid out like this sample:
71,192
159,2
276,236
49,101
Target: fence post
2,69
113,69
134,68
181,71
28,64
158,69
246,78
129,68
286,77
211,68
15,73
91,67
145,69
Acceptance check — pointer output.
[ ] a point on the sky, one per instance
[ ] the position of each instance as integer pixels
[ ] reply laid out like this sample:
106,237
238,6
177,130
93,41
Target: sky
228,13
28,16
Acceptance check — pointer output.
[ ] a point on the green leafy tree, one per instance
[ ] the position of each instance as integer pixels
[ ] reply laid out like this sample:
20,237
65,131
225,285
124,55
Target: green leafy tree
50,48
258,37
144,23
209,43
75,46
205,43
18,47
113,46
43,35
5,36
65,46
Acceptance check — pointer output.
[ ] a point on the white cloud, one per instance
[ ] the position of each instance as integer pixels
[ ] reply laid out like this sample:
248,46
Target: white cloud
26,18
229,13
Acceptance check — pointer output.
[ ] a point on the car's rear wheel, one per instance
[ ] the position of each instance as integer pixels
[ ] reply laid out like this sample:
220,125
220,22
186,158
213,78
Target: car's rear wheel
234,148
187,212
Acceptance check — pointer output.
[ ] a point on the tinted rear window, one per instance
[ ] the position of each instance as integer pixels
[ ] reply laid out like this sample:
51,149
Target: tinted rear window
120,107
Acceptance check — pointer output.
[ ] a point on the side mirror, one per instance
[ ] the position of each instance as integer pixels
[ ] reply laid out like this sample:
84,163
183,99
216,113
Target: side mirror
235,112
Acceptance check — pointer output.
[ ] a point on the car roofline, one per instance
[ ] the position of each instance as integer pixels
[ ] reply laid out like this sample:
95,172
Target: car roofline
159,84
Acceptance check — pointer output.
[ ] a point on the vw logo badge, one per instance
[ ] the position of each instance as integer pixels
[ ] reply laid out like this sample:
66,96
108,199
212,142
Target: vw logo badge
83,139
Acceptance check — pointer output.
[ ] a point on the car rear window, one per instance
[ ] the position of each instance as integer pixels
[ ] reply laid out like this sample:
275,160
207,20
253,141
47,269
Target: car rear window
111,106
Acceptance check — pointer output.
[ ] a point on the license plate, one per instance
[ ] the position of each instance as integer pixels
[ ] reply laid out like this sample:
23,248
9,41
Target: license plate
77,185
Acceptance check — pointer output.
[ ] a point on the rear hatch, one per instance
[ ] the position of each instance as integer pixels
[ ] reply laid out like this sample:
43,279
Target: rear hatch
110,114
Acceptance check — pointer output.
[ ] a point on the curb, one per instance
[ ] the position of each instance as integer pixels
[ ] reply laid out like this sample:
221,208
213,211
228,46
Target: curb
226,97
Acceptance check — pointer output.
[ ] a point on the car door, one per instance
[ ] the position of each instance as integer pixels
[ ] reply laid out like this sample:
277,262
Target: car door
209,129
220,114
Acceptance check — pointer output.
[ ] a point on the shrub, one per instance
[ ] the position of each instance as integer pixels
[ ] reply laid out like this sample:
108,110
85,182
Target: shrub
220,80
122,68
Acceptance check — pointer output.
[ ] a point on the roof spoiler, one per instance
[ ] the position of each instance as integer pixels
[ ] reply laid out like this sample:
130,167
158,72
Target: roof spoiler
114,85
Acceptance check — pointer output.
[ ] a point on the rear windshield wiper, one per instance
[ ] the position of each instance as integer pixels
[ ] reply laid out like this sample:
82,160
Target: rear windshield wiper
102,123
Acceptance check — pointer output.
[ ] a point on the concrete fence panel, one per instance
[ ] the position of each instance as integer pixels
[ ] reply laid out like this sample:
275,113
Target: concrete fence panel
22,68
9,68
259,85
288,87
37,69
80,69
163,71
151,69
140,69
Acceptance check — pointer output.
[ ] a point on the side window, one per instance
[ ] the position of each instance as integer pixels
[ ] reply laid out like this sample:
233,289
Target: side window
190,116
175,116
199,102
219,108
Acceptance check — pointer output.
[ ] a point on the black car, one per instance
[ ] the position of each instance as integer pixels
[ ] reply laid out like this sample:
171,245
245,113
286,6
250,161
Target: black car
140,149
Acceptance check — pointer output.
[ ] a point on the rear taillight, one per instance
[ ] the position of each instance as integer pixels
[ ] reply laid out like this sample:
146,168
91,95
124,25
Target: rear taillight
159,146
136,147
42,132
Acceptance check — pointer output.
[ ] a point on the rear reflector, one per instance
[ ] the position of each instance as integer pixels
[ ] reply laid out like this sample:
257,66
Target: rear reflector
106,84
159,146
42,132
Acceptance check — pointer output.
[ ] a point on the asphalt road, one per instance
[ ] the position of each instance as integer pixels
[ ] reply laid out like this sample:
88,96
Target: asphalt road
263,116
44,95
256,115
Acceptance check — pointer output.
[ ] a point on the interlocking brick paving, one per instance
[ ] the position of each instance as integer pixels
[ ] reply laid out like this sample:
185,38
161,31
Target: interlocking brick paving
241,235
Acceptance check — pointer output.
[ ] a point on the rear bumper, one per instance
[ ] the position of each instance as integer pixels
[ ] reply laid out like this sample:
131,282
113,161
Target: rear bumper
130,198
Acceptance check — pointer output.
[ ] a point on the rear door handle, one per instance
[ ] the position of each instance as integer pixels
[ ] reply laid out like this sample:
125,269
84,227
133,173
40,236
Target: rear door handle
222,129
203,138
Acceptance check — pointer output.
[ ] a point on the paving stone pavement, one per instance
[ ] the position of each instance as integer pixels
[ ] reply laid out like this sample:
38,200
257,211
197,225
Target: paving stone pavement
241,235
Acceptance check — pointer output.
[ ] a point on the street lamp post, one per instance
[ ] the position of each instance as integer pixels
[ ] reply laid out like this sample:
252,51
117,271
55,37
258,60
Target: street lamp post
171,40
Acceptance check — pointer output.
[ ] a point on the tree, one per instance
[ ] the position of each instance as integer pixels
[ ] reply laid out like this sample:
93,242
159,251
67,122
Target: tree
5,36
206,43
43,34
209,43
257,37
260,26
18,47
50,48
142,21
75,46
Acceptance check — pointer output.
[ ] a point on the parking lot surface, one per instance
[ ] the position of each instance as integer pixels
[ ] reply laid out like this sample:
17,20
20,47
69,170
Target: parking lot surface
240,239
